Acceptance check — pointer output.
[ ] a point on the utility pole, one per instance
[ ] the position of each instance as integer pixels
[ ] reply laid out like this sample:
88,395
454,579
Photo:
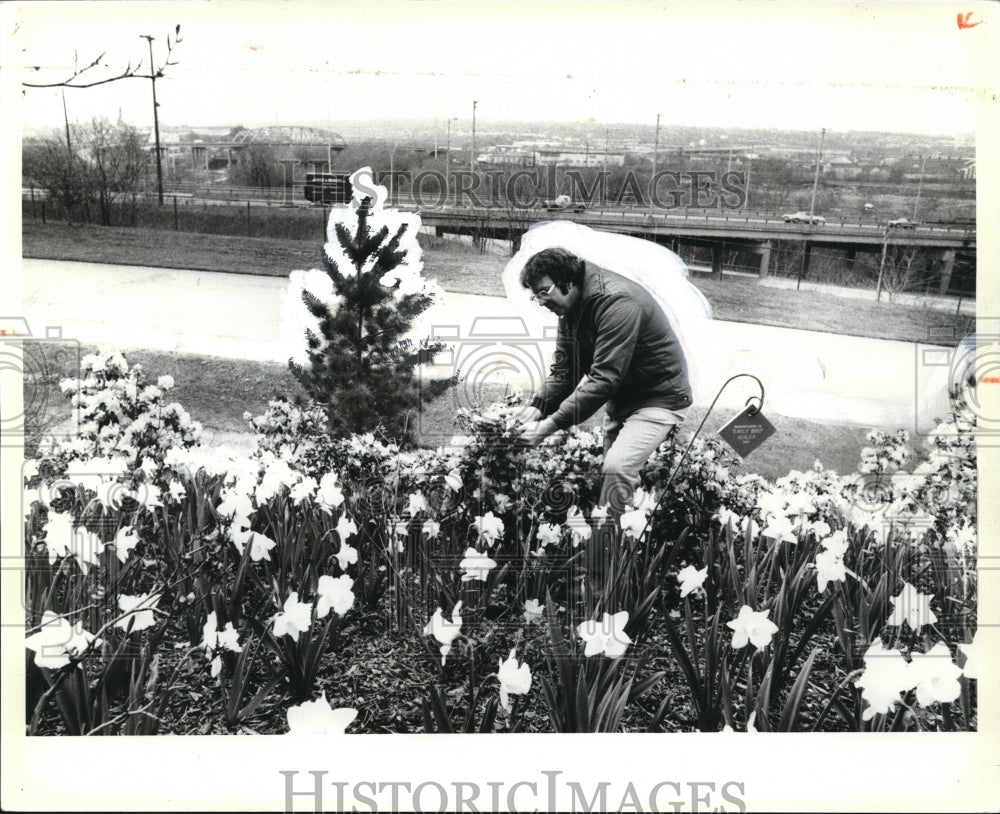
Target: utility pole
881,265
604,186
156,119
656,153
746,197
812,209
920,183
447,163
69,145
472,158
819,160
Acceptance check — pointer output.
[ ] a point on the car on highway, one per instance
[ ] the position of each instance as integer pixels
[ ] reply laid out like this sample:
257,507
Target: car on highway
901,223
803,217
562,203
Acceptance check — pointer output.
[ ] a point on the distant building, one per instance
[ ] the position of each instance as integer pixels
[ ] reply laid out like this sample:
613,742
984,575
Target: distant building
842,168
575,157
530,154
220,148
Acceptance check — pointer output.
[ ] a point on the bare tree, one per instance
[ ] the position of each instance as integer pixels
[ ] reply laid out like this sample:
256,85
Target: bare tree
258,167
906,269
115,159
105,167
46,163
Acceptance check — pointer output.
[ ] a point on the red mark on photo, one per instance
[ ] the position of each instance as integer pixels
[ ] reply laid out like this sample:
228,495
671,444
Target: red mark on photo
990,379
964,20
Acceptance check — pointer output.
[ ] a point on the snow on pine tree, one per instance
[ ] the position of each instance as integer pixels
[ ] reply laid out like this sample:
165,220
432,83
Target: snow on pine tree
347,324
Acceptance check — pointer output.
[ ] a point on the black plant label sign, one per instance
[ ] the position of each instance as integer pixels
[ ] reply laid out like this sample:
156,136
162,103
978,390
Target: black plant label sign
747,431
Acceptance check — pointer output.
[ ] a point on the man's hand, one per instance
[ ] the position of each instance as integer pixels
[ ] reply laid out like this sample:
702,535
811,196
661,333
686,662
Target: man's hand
533,432
531,415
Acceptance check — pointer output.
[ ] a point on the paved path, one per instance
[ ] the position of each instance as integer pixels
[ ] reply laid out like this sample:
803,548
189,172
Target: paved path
819,376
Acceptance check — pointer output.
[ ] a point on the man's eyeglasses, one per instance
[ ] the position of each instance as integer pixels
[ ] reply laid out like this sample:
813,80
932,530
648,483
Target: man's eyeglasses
538,295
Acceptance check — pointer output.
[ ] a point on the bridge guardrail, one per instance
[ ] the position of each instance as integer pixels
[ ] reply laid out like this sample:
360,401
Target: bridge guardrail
295,195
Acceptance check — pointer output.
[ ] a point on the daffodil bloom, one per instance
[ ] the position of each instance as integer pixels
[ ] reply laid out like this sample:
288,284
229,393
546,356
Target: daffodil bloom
58,641
476,566
416,503
829,568
430,529
489,527
533,611
148,496
835,543
86,547
643,500
598,515
177,491
514,679
634,522
319,718
346,528
578,526
691,579
294,618
59,532
140,612
214,639
125,540
453,481
346,556
234,504
752,627
328,495
335,594
502,502
260,545
780,528
886,675
109,494
445,632
607,636
305,489
549,534
935,675
277,476
725,517
912,607
972,657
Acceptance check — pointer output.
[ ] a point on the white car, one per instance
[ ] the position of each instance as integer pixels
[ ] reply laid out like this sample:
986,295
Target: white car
803,217
901,223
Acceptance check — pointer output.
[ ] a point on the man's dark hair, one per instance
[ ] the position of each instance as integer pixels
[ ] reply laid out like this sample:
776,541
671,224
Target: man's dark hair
562,267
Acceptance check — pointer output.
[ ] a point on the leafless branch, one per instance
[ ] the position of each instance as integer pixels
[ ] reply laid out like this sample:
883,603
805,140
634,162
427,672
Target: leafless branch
129,72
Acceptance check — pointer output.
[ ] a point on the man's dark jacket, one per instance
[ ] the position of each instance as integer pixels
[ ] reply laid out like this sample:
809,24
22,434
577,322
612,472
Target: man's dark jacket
619,338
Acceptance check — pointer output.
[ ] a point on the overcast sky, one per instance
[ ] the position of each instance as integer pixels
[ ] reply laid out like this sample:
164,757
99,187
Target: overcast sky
901,67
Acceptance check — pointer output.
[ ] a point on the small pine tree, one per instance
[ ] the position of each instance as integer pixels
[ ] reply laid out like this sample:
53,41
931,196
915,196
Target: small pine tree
357,361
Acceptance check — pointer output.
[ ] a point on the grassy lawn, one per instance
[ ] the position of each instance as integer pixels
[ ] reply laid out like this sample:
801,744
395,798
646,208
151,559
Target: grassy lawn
457,267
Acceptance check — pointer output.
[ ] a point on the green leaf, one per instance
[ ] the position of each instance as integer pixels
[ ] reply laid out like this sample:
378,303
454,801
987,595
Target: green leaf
793,703
440,711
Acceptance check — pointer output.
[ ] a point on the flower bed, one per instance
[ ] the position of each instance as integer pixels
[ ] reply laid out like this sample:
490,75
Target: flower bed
477,587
